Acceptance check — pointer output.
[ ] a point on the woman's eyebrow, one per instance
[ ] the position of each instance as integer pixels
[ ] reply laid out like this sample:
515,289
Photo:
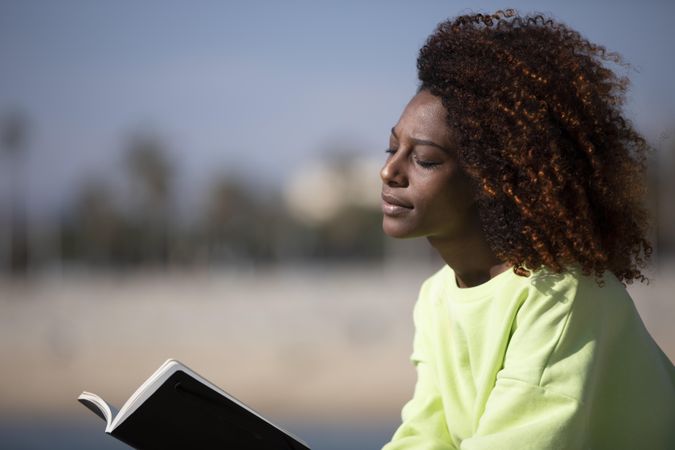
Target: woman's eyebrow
421,142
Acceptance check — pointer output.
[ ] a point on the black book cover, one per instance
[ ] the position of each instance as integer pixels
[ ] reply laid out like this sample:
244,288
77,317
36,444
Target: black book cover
183,413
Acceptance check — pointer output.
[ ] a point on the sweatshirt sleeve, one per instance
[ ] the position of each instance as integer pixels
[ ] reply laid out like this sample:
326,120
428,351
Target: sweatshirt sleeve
423,424
520,415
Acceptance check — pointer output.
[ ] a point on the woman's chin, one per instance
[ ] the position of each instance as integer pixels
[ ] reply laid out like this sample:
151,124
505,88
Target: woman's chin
396,229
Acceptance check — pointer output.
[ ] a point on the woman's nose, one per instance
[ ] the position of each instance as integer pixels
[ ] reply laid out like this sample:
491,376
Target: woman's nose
392,173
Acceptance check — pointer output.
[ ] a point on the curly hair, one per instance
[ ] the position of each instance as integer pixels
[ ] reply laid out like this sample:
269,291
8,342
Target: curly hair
560,173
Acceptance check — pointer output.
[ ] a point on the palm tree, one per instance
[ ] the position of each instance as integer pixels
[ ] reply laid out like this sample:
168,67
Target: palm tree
151,175
13,138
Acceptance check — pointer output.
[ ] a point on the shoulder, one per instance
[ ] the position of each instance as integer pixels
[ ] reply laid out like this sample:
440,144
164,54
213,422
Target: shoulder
435,288
571,297
431,291
439,279
571,290
573,283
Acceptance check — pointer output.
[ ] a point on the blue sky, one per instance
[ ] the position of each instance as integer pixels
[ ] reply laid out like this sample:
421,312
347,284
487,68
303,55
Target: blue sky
262,88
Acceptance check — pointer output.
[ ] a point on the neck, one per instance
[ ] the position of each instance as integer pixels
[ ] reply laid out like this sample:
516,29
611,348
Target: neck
469,256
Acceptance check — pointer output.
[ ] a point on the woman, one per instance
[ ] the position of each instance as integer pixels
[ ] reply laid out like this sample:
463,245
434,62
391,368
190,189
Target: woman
516,164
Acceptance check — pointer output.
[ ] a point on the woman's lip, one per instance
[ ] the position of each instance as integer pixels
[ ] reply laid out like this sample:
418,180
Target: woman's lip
392,206
395,201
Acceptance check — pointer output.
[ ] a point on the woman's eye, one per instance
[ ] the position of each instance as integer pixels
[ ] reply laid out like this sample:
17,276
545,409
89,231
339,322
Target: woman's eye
426,164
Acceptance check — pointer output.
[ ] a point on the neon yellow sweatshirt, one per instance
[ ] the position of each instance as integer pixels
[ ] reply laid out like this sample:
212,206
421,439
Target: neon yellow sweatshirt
551,361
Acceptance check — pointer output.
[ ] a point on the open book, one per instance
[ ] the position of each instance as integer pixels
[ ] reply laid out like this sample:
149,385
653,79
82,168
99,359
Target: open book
178,409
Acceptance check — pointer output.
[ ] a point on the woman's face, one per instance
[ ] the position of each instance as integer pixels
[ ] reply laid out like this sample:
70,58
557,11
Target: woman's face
424,191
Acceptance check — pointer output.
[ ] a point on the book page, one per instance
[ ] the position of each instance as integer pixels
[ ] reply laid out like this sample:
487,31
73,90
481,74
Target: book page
99,406
146,389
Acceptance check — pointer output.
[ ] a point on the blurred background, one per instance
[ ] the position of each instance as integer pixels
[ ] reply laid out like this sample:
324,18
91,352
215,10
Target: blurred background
199,180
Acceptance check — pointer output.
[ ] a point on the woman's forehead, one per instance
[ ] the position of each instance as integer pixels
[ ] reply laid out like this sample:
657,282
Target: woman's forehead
424,116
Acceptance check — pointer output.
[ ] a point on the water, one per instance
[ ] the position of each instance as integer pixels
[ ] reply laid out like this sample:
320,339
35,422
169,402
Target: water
73,435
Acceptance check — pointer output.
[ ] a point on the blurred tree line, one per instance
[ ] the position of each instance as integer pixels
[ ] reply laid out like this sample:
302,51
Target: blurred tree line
141,224
234,224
